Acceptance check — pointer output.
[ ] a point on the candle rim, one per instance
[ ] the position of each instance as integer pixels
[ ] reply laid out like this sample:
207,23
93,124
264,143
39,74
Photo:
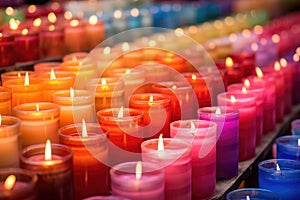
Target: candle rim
284,141
282,169
167,86
245,97
252,191
163,99
233,112
114,117
11,129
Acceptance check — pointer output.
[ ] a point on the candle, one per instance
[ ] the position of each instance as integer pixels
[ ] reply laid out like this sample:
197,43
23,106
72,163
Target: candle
296,79
246,104
288,147
131,55
295,124
42,117
76,56
227,119
53,165
90,158
7,47
17,184
280,176
174,156
16,75
125,132
246,61
74,106
43,67
9,141
286,69
33,12
94,31
55,81
137,180
5,101
75,39
171,60
252,193
108,92
182,98
202,137
234,72
25,90
157,113
257,90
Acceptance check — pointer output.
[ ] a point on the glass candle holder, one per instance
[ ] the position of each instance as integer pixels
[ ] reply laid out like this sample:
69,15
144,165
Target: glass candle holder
5,101
27,46
157,113
75,39
227,119
7,50
76,56
252,193
16,75
281,181
111,197
174,61
90,158
43,67
288,147
55,176
42,117
24,187
175,159
125,183
9,141
202,138
295,126
246,104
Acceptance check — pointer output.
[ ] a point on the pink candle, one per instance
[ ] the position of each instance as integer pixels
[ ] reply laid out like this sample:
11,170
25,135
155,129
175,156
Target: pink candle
246,104
202,135
287,68
75,38
174,156
94,31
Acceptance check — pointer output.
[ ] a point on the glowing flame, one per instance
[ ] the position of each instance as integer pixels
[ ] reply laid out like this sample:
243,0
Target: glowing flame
283,62
10,182
13,24
52,17
246,33
51,28
298,51
244,90
174,87
247,83
277,167
193,126
106,51
232,99
84,131
150,102
24,31
31,9
194,77
26,80
93,20
103,81
258,29
254,47
9,11
259,73
296,58
298,139
52,74
72,95
229,62
247,197
138,170
19,75
125,46
68,15
48,151
276,38
160,146
218,111
276,66
37,22
127,71
121,112
37,107
74,23
117,14
134,12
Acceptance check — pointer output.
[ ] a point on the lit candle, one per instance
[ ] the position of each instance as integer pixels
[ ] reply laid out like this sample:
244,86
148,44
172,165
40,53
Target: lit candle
157,113
246,104
202,137
288,147
90,158
33,11
131,55
174,156
234,71
5,101
252,193
76,56
94,31
74,106
53,165
7,46
17,184
16,75
287,68
171,60
296,77
75,39
42,117
227,119
246,61
43,67
281,176
137,180
9,141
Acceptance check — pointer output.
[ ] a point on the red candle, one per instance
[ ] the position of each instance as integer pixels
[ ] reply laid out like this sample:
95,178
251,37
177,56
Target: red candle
234,72
33,12
43,67
246,61
7,50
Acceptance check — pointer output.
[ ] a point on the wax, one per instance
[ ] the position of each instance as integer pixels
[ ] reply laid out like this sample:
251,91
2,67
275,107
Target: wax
252,193
5,101
43,67
227,119
76,56
288,147
234,72
203,148
74,34
7,50
171,60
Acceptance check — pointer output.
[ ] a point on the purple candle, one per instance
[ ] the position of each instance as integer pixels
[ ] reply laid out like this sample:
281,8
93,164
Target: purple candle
227,119
202,136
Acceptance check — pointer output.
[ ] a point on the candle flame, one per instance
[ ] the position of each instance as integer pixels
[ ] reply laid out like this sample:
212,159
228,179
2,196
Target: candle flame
277,167
37,22
246,33
247,83
106,51
93,20
72,92
152,43
276,38
150,102
229,62
254,47
52,17
298,138
218,111
193,126
19,75
13,24
84,131
48,151
74,23
232,99
51,28
244,90
296,58
37,107
247,197
31,9
117,14
259,73
160,146
52,74
10,182
258,29
103,81
68,15
121,112
174,87
232,37
9,11
125,46
283,62
138,170
134,12
26,80
277,66
24,31
194,77
298,51
127,71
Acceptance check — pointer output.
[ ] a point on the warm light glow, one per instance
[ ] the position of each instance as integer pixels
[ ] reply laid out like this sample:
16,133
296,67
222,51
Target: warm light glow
218,111
258,29
150,100
193,29
283,62
72,95
246,33
51,17
37,22
48,153
247,83
68,15
194,77
276,38
106,51
93,20
9,11
232,99
254,47
296,58
84,131
13,24
117,14
103,81
0,119
277,167
174,87
193,126
244,90
121,112
31,9
26,80
229,62
125,46
127,71
277,66
179,32
51,28
9,182
259,73
55,5
134,12
1,34
74,23
211,45
52,74
160,146
24,31
228,21
138,170
232,37
298,138
152,43
298,51
19,75
37,107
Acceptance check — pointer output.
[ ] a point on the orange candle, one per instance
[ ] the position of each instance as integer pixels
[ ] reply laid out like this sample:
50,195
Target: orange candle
75,38
76,56
16,75
43,67
5,101
94,31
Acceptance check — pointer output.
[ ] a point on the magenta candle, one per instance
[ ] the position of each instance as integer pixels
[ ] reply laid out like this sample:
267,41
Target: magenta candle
7,50
246,104
175,158
257,90
227,119
202,136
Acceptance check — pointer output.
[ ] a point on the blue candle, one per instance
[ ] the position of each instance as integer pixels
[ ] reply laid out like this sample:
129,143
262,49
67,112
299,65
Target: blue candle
288,147
252,193
281,176
296,127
